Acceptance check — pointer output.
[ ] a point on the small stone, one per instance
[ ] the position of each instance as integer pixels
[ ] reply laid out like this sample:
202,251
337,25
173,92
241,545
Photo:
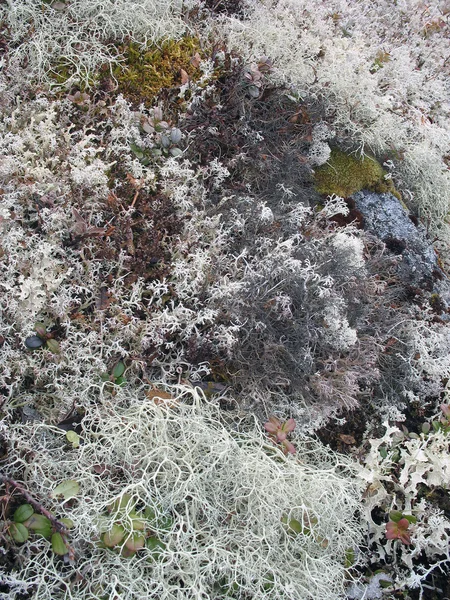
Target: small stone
34,341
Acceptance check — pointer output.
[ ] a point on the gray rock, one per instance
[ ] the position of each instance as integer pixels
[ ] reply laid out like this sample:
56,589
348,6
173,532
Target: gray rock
386,218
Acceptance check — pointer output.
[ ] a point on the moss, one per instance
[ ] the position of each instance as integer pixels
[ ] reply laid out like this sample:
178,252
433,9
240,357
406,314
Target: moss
344,175
146,71
64,71
386,186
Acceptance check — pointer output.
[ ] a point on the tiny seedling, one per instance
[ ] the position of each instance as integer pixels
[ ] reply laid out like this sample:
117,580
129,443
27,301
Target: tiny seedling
116,375
26,522
133,530
279,431
42,339
397,527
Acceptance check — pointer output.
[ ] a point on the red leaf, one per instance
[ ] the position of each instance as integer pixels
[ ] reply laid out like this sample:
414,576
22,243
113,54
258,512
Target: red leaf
398,531
289,425
289,447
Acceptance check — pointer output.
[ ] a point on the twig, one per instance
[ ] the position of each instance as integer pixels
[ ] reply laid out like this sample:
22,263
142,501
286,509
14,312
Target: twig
135,198
60,527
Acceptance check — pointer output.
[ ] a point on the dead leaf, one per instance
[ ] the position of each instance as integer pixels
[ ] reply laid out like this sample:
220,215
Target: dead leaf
347,439
184,77
84,229
161,398
196,60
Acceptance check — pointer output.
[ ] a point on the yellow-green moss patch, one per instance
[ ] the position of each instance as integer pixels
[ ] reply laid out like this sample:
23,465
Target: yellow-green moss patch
345,174
146,71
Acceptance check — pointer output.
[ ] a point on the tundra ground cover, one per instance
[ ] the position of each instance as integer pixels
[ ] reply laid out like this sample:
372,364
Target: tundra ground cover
174,278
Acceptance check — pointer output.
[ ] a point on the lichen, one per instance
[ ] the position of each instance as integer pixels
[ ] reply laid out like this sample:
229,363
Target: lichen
345,174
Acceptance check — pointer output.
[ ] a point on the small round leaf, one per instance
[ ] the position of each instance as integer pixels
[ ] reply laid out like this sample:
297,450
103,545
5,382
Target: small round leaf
155,545
19,532
165,142
59,546
114,536
175,135
73,438
23,513
137,522
135,542
119,369
53,346
68,489
426,428
67,522
40,525
395,515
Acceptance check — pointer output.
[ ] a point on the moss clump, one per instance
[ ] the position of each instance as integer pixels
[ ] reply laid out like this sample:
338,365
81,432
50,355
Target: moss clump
146,71
344,175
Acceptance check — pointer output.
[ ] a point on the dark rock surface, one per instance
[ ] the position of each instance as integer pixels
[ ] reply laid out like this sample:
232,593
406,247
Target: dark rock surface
385,217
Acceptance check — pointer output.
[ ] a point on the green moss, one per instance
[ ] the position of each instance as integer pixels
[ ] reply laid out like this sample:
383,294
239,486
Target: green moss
146,71
344,175
63,71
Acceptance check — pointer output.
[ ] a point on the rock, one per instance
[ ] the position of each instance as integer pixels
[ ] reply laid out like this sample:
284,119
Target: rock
385,217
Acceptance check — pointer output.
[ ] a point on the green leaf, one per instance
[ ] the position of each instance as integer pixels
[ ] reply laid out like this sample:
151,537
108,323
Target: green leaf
119,370
155,545
22,513
349,558
68,489
395,456
383,452
59,546
410,518
114,536
120,381
175,152
436,425
53,346
40,525
125,501
135,542
41,330
149,513
293,526
395,515
137,522
18,532
137,151
426,428
73,438
67,522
